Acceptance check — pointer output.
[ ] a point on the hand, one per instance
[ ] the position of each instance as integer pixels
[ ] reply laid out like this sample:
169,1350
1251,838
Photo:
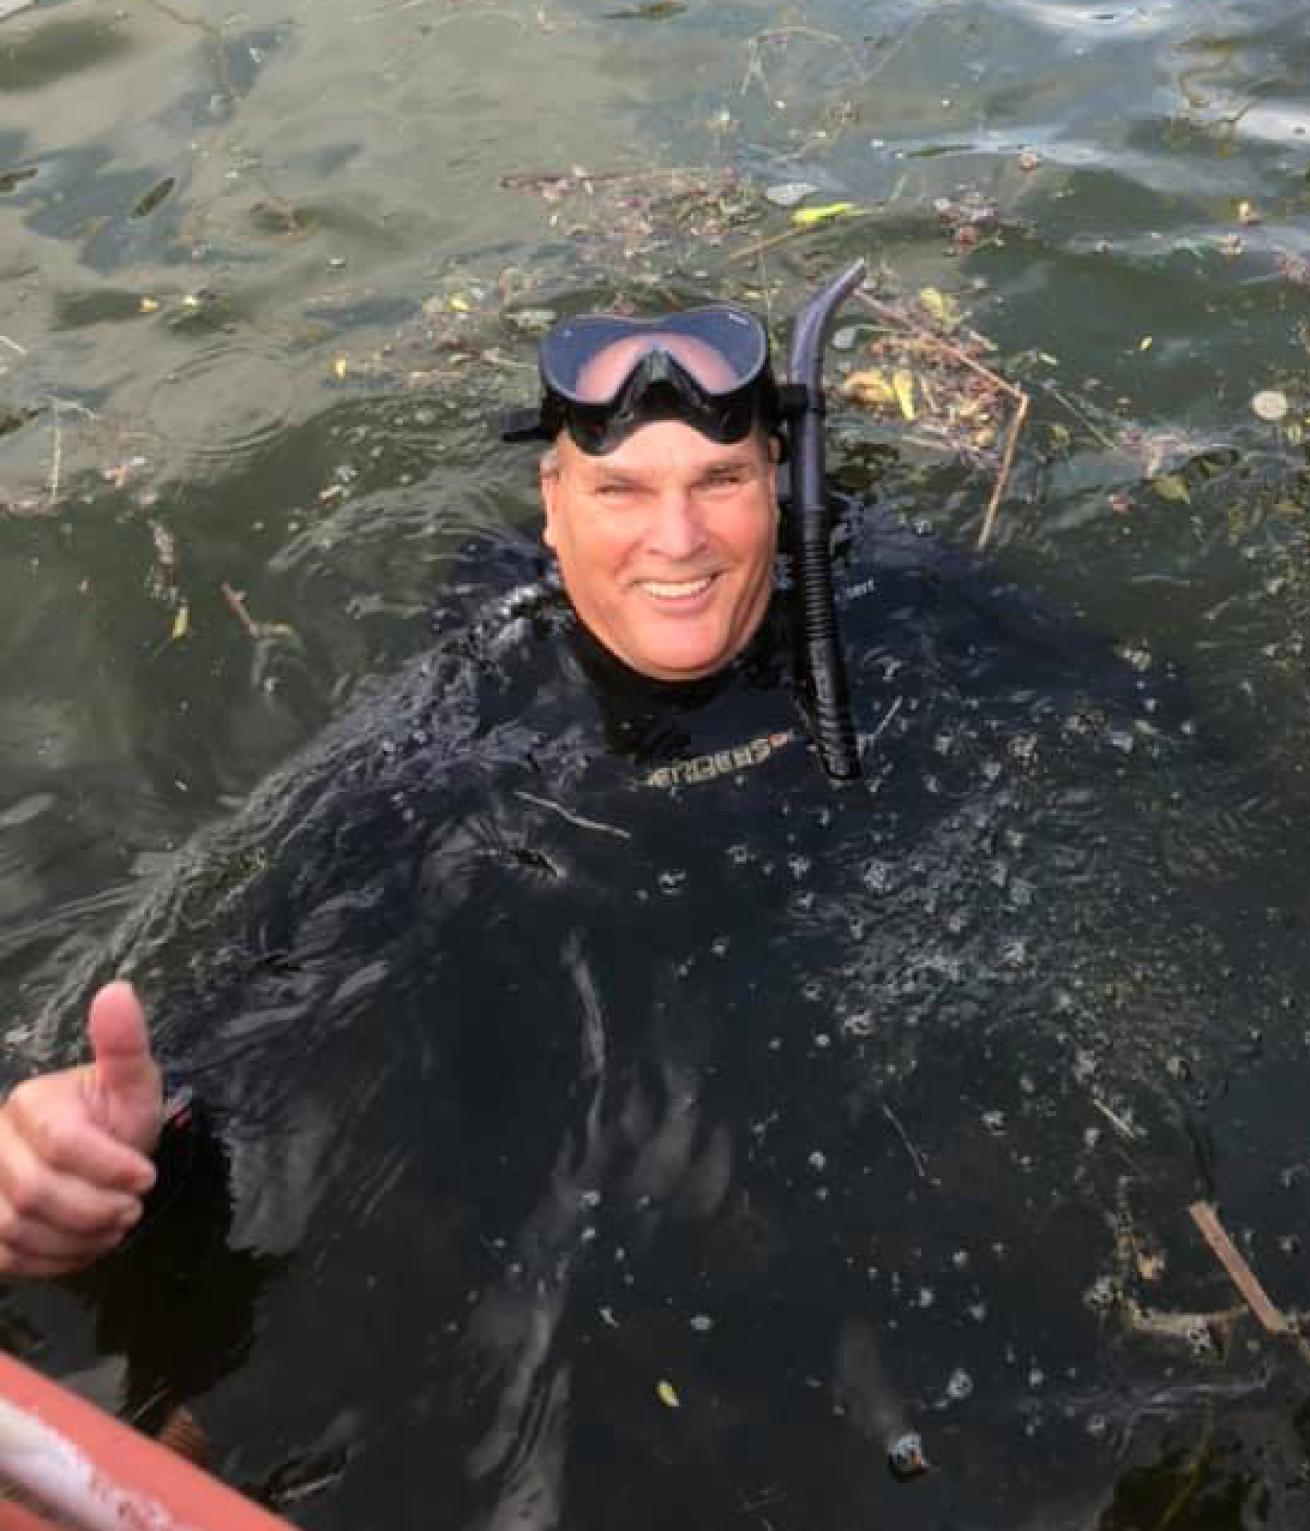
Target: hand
74,1147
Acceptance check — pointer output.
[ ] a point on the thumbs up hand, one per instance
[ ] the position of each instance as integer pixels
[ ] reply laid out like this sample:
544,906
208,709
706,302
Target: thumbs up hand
74,1147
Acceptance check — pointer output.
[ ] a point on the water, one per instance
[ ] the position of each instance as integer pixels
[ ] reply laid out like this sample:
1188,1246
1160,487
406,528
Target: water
270,277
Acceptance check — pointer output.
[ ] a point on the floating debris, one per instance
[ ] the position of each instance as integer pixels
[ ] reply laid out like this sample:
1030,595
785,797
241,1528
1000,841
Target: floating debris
927,370
789,193
807,217
157,193
1271,404
971,219
644,212
905,1456
1271,1319
667,1394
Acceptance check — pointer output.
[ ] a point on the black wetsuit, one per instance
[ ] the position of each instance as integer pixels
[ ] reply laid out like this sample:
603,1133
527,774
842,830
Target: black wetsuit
626,1128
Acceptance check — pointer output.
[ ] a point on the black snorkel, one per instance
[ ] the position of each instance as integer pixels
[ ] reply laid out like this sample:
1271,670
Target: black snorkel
823,666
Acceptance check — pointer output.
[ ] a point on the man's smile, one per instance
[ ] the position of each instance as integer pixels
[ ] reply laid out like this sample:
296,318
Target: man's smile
676,590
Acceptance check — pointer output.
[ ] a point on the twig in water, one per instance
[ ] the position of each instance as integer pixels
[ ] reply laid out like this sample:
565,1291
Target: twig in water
1003,474
13,345
56,461
574,818
886,720
1117,1122
236,602
1272,1320
748,252
1081,418
915,1156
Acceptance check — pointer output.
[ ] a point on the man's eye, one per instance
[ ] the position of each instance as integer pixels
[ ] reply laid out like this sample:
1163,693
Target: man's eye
730,478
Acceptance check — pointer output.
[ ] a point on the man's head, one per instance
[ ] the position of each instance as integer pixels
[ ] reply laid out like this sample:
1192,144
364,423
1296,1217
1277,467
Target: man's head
666,543
659,487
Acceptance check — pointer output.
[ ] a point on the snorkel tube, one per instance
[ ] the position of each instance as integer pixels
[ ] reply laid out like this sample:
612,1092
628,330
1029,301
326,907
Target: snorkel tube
824,668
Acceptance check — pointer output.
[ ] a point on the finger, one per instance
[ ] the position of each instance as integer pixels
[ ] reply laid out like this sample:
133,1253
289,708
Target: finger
57,1131
120,1045
29,1236
34,1192
16,1266
55,1126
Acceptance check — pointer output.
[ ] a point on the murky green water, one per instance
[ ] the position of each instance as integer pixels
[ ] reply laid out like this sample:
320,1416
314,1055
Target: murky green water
269,276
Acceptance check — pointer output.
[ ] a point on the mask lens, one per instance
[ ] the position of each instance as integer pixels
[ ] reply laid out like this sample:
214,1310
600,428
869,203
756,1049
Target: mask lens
589,359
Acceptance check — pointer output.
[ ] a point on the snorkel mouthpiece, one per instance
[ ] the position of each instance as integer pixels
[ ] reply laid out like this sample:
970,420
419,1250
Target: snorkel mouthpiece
824,666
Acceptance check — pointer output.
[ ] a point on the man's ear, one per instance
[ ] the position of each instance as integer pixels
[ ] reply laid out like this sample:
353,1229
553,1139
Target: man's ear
548,480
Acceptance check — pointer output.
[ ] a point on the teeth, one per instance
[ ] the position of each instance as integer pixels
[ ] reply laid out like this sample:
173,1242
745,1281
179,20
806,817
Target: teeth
675,592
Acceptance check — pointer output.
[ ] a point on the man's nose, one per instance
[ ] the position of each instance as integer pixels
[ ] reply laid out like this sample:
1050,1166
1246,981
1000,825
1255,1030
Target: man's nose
678,530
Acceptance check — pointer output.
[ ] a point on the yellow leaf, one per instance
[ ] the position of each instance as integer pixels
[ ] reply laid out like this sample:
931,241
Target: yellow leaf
181,622
190,300
149,305
941,307
339,368
807,217
903,383
461,305
1170,486
667,1395
1146,342
869,387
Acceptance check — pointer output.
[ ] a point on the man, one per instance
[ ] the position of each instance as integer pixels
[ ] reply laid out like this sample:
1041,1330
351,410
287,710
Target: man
631,1125
665,543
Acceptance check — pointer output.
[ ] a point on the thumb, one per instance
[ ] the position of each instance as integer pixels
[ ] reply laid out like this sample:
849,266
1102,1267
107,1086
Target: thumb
126,1085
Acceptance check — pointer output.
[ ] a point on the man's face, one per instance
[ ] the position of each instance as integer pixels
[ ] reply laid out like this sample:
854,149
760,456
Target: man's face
666,544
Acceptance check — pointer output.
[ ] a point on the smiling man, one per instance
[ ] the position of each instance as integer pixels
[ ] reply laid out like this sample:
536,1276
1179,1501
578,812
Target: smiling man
658,486
666,544
666,535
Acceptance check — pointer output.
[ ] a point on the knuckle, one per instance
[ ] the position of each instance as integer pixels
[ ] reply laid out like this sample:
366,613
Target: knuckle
25,1194
20,1100
52,1140
11,1223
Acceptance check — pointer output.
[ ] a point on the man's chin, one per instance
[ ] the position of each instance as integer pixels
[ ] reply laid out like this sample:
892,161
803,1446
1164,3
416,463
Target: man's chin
684,660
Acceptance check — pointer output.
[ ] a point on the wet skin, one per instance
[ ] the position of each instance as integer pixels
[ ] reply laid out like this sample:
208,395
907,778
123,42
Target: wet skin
665,544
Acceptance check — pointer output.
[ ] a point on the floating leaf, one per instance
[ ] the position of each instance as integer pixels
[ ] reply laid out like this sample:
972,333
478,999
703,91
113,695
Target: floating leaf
461,305
942,308
1247,213
181,622
869,387
1170,486
149,305
807,217
667,1394
153,197
1146,342
903,383
339,368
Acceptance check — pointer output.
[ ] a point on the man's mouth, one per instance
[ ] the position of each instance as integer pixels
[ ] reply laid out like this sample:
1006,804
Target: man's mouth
676,590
